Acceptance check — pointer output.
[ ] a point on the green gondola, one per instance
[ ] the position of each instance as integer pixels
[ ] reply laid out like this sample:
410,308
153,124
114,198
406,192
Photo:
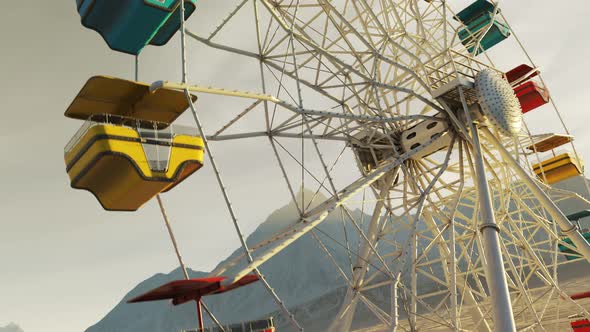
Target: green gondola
481,25
574,217
129,26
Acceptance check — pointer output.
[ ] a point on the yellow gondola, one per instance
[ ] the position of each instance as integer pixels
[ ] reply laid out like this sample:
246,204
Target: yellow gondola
124,169
127,152
558,168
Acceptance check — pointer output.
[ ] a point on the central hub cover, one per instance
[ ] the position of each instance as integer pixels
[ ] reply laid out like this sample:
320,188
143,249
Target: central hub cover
498,102
422,133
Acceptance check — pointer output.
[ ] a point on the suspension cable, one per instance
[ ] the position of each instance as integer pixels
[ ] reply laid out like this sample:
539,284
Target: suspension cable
184,80
169,228
234,218
181,261
275,296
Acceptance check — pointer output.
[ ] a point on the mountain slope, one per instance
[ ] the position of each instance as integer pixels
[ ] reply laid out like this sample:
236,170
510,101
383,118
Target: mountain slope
300,274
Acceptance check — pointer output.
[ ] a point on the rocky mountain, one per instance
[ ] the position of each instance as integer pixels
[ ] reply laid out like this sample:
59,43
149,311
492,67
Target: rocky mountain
301,275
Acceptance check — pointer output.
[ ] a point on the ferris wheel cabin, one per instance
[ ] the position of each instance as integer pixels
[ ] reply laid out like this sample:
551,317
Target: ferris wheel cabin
482,30
128,26
568,246
558,167
124,168
530,94
127,152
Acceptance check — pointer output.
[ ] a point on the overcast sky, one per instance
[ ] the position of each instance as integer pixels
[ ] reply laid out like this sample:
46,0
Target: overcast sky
63,261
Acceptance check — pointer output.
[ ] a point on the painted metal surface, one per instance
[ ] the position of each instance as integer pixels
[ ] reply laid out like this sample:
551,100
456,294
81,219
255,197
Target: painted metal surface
128,26
104,95
111,162
482,28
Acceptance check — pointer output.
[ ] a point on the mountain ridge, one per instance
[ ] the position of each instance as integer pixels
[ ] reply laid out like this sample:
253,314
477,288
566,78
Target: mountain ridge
253,301
313,294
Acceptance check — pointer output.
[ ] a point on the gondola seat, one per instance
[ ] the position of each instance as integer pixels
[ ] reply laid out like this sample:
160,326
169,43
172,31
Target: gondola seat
558,168
113,163
531,96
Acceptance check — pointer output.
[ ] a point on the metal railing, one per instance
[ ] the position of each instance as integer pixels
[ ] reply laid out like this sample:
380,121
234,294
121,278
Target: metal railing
156,137
451,64
146,129
264,325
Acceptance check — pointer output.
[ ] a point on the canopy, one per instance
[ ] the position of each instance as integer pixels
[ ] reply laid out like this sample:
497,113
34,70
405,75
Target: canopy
102,95
182,291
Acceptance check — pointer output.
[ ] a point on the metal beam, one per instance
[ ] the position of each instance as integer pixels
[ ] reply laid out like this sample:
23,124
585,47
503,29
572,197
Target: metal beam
344,318
567,227
315,216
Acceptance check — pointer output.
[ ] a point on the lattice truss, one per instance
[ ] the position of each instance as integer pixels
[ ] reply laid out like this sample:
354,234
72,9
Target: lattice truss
346,79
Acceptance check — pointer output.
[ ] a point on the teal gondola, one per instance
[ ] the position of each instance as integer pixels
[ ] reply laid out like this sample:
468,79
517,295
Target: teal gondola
481,25
576,218
128,26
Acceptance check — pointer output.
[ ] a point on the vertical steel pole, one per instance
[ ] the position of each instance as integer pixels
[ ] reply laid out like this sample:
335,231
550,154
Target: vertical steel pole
200,305
394,306
497,283
414,282
495,272
183,43
200,314
453,268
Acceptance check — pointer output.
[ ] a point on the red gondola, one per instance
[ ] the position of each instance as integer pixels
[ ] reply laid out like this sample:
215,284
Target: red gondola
581,325
531,96
519,73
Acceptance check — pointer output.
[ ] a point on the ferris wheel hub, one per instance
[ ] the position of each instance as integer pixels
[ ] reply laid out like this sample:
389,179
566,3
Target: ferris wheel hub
422,133
373,147
498,102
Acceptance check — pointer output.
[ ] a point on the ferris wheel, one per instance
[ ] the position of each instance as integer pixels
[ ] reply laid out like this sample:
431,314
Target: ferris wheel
393,105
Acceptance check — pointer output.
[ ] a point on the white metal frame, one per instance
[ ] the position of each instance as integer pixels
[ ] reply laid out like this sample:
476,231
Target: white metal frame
378,64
